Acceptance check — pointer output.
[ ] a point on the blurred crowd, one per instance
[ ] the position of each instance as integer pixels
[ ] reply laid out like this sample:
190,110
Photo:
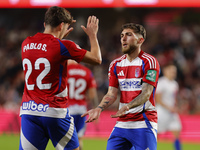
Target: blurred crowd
173,35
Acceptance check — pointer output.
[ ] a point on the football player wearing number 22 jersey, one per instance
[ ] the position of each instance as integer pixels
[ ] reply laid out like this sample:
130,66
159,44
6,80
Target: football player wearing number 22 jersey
44,113
136,75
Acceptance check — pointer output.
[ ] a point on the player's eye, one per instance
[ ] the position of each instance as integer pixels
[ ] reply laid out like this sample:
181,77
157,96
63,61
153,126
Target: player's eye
129,34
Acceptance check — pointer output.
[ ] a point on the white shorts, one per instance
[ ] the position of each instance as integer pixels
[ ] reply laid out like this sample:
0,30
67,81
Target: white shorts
168,121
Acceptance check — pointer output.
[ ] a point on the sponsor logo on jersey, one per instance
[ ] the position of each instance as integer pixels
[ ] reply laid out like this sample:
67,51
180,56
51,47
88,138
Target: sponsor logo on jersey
151,75
130,84
31,105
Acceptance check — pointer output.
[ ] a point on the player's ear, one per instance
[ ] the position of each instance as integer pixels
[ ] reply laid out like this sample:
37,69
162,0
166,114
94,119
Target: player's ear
44,24
60,26
141,40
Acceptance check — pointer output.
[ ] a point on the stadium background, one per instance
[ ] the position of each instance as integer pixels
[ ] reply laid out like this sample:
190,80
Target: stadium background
173,34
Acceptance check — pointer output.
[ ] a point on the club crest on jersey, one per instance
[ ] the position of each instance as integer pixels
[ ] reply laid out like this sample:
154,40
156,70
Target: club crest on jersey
137,72
31,105
151,75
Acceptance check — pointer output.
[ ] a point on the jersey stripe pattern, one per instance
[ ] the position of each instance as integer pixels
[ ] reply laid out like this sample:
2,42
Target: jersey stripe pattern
44,60
128,77
80,79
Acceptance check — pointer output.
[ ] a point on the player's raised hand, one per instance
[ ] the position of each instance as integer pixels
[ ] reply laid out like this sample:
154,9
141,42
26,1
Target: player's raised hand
69,30
93,114
92,26
121,112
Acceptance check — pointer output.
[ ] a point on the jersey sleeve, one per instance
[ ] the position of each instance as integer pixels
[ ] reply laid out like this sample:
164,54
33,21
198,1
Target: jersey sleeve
151,72
73,51
160,86
112,75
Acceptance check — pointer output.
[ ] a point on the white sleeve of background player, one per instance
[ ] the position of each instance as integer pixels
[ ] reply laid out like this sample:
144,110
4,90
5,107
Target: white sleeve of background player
160,86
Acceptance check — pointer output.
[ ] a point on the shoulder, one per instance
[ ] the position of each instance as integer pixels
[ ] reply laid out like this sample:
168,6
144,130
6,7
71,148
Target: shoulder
149,60
64,41
162,79
119,59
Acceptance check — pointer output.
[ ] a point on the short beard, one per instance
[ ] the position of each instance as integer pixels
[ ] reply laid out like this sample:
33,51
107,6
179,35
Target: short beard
130,50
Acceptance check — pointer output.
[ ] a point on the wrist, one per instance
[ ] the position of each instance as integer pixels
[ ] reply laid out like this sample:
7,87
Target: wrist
100,108
92,36
127,107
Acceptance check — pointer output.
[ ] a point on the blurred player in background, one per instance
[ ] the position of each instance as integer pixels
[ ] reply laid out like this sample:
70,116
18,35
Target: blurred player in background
135,74
168,118
44,113
82,94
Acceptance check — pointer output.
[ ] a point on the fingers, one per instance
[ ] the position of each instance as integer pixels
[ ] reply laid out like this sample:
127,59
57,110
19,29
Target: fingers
92,19
84,29
116,115
85,114
89,20
68,31
91,117
73,21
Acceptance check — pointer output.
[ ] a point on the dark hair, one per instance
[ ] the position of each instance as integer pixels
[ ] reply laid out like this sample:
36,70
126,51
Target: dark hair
137,28
56,15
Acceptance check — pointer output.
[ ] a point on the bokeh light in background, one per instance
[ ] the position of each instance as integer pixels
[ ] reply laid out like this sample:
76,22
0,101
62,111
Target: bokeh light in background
173,35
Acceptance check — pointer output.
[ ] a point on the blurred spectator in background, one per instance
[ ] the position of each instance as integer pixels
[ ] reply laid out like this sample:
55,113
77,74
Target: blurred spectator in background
82,94
168,118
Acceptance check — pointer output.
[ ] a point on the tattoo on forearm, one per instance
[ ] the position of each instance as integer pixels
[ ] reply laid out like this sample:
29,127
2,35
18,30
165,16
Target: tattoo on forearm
108,100
100,107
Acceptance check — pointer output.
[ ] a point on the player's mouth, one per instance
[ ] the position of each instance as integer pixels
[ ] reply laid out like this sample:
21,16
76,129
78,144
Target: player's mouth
124,45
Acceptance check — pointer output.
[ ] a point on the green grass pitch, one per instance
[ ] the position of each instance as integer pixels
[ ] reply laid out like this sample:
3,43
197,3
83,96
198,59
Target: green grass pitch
11,142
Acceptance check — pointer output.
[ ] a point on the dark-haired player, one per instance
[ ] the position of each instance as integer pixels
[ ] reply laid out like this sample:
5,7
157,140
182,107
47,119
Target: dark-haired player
136,75
43,111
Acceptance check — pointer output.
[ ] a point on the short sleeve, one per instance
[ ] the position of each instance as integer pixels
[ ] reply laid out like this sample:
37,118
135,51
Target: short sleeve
112,75
73,51
160,86
151,72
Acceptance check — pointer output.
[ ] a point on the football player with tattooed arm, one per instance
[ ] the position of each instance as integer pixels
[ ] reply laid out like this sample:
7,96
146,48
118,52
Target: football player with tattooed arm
44,113
136,75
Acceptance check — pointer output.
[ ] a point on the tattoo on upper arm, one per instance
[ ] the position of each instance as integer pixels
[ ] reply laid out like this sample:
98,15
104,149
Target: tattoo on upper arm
147,88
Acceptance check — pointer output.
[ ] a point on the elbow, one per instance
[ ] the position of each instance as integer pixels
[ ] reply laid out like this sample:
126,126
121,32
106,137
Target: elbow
97,61
147,96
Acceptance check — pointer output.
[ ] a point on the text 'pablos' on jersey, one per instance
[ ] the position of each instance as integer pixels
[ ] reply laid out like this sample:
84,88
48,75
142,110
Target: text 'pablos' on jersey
44,60
128,77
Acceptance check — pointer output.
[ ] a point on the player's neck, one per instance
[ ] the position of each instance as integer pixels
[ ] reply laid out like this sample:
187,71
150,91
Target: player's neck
52,31
134,54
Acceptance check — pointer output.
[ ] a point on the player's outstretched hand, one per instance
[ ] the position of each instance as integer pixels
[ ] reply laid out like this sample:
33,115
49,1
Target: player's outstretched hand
121,112
92,26
68,31
93,114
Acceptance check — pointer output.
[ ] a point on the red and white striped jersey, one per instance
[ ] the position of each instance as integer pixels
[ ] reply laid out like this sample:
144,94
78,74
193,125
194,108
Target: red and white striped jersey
79,80
128,77
44,60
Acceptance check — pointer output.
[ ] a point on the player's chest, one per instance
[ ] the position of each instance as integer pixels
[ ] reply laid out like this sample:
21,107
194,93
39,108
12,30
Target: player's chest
129,72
